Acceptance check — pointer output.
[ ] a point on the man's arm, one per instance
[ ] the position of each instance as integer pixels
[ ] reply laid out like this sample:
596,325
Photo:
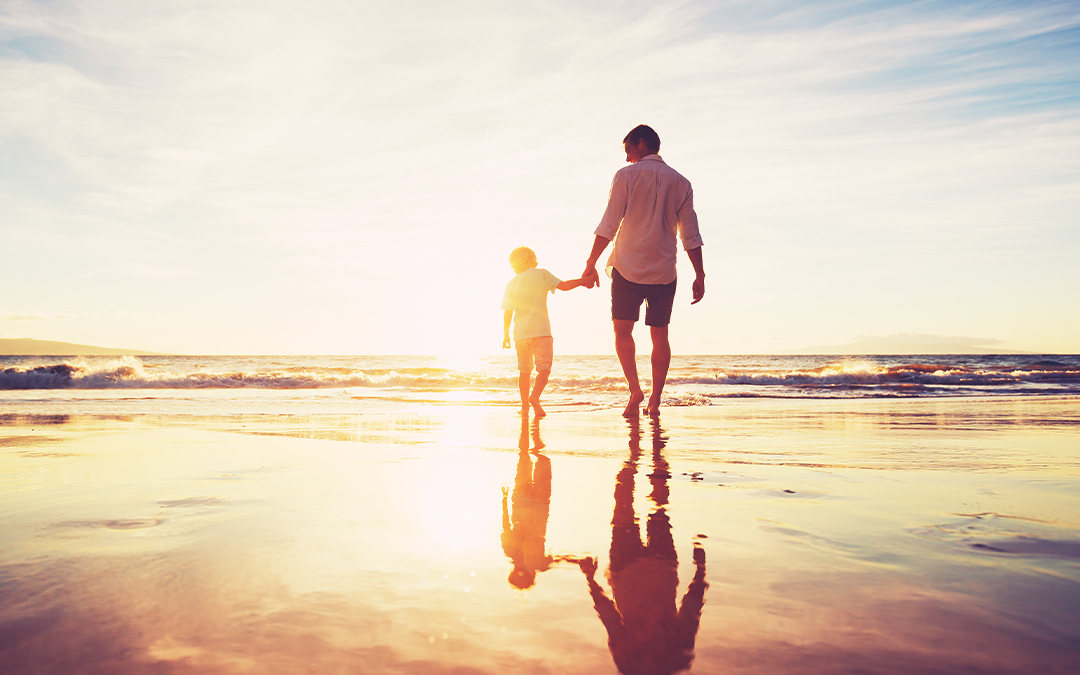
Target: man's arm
609,225
691,241
508,316
589,276
699,270
689,616
605,607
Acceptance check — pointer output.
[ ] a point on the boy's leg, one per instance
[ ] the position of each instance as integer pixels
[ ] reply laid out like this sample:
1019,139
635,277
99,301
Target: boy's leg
538,388
543,348
525,366
523,388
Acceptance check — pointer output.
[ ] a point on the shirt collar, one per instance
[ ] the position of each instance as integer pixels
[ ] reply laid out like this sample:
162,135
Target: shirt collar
654,157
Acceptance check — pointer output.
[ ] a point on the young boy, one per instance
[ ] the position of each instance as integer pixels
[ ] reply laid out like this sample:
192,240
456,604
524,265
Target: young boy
525,302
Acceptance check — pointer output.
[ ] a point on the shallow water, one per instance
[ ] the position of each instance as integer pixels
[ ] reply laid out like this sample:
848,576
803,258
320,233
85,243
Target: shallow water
834,536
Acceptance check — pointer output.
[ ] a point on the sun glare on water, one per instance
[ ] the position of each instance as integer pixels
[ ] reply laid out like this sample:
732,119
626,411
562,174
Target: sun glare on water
458,495
460,507
462,361
851,368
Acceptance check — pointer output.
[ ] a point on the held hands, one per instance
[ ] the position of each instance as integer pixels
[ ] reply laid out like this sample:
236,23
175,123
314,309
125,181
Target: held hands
588,566
590,278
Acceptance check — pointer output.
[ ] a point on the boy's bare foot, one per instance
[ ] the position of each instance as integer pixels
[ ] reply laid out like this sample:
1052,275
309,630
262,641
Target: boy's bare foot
537,409
524,411
653,408
633,406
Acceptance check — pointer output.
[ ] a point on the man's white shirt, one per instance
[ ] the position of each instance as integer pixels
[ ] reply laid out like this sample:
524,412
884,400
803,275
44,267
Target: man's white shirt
649,204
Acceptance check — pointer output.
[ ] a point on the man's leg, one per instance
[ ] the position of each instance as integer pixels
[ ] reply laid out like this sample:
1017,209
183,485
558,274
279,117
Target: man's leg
538,388
661,359
627,352
659,300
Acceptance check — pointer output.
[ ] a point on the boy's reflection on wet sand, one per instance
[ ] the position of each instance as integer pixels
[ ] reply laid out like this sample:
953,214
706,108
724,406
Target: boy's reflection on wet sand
646,633
524,533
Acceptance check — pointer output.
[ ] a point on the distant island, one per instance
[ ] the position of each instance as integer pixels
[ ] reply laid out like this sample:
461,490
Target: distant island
29,347
912,343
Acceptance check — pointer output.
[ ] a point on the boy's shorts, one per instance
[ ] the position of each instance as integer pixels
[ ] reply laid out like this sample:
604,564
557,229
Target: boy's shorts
626,299
538,350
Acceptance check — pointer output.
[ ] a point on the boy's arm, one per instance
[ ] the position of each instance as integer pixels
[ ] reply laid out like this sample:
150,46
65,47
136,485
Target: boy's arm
570,284
508,316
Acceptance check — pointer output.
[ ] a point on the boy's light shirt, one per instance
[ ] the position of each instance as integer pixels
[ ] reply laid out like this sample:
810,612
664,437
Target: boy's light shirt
526,297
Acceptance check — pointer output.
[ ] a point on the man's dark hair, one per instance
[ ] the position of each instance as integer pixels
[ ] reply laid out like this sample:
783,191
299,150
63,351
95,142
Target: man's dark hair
643,132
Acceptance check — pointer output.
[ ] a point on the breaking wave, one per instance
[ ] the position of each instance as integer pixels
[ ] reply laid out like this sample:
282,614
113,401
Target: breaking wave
128,373
914,374
693,381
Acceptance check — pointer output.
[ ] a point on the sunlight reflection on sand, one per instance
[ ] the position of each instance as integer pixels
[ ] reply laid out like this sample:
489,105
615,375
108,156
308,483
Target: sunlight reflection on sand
838,537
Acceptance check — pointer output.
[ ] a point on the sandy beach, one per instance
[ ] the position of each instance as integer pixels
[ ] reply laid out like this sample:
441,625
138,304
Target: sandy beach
838,536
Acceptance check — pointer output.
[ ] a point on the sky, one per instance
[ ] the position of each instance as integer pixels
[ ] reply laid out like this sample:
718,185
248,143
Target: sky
324,177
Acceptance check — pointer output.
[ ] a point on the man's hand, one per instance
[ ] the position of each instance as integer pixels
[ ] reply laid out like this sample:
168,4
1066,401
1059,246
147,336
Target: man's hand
588,566
699,270
590,278
506,342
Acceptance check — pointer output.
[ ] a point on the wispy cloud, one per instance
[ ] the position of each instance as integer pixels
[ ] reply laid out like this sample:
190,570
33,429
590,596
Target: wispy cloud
35,316
145,271
323,149
26,316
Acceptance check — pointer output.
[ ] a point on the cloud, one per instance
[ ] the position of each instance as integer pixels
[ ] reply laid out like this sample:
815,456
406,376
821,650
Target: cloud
33,316
146,271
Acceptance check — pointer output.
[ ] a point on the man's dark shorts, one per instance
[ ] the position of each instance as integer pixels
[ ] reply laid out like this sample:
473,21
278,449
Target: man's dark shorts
626,299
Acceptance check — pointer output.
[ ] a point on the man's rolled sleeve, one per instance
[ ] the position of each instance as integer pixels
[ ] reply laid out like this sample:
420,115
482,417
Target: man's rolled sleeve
616,208
688,225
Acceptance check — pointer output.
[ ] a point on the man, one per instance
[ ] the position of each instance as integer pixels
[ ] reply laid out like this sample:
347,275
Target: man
647,632
649,204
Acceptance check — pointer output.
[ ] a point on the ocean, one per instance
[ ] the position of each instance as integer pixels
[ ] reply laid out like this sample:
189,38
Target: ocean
342,384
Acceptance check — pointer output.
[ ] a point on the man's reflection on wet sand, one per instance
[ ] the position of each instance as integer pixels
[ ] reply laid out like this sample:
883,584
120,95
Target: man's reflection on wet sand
646,633
524,533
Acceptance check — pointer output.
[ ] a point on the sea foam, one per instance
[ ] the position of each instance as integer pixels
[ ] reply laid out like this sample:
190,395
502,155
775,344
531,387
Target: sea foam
691,380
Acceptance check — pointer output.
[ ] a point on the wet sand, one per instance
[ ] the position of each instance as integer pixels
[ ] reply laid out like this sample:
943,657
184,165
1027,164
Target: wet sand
756,536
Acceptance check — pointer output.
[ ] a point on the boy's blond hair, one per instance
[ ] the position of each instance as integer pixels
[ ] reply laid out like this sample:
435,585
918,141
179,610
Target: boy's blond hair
522,258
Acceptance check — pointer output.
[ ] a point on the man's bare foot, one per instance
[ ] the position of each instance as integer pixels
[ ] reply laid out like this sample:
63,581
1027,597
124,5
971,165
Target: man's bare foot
653,408
524,411
537,409
633,406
